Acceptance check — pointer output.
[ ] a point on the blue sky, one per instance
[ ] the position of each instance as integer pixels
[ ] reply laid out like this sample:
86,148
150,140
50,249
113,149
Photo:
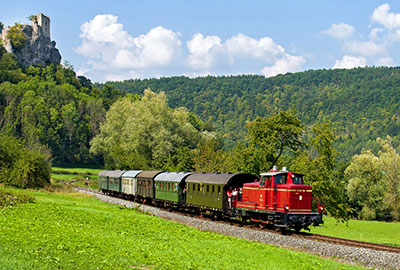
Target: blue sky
115,40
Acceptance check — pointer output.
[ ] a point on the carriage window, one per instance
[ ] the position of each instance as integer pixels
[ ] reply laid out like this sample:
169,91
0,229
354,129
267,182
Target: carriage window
198,188
280,179
219,189
194,188
213,189
208,188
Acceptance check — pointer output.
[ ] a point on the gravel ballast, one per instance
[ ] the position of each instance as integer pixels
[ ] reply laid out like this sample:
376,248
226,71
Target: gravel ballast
362,256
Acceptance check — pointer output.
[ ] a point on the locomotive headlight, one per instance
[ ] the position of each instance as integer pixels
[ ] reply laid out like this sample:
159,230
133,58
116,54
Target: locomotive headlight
320,209
286,208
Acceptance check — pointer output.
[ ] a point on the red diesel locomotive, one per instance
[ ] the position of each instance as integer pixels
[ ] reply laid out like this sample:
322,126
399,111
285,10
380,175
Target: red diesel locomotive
279,198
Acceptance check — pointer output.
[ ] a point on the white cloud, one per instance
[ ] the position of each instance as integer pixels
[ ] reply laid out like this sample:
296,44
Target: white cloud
158,47
373,35
388,19
105,29
349,61
210,53
205,52
105,39
112,53
262,49
385,61
339,31
289,64
367,48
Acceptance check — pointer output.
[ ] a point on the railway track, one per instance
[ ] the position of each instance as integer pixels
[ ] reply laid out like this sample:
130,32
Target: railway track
303,235
348,242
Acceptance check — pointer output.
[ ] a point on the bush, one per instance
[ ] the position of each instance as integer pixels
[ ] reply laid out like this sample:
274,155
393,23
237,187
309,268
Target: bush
30,170
17,37
21,166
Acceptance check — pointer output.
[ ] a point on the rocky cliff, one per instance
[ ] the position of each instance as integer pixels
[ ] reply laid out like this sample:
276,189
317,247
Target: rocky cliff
37,49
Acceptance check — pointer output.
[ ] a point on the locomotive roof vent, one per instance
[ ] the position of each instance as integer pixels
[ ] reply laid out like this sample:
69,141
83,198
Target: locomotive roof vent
284,169
275,168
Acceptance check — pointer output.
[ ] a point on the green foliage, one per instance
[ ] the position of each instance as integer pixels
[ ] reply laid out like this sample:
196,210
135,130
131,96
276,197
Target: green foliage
144,133
374,182
21,166
269,137
318,163
361,103
209,155
1,27
16,37
69,231
50,106
32,18
2,49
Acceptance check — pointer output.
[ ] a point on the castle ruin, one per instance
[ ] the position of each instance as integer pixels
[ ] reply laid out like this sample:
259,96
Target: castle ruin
38,50
44,22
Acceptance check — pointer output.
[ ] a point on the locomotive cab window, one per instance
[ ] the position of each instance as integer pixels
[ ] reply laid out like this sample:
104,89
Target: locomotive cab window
263,181
297,179
280,179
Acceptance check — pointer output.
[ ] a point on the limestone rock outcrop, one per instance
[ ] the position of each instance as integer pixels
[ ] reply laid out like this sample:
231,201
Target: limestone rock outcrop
38,48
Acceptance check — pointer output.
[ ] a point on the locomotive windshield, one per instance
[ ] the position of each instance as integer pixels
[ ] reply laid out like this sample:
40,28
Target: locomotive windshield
297,179
280,179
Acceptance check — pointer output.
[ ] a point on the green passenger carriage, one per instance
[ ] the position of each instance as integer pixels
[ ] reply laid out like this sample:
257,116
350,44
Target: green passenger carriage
209,190
170,186
111,181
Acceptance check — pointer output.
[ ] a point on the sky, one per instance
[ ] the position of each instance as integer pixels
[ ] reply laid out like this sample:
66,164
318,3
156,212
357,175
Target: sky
118,40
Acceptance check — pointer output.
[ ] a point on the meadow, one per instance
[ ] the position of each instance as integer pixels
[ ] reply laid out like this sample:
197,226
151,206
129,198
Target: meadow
74,231
79,176
387,233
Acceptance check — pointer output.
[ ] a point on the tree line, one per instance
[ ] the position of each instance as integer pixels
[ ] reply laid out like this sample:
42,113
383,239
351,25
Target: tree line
360,103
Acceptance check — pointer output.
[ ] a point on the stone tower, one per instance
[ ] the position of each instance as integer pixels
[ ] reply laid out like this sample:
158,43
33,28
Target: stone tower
44,22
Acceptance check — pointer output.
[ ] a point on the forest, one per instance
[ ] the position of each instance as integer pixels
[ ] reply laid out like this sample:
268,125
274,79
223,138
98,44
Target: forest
362,103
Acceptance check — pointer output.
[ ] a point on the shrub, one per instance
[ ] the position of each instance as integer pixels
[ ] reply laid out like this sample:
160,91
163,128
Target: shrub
21,166
30,170
17,37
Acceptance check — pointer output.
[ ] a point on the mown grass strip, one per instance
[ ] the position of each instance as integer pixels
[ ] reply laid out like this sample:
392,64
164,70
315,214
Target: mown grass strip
84,171
387,233
70,231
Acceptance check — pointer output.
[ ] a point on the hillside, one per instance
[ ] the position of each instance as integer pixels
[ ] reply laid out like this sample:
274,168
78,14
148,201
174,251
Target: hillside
362,103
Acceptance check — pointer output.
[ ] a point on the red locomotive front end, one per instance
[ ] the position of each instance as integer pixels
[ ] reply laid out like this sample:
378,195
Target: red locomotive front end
279,198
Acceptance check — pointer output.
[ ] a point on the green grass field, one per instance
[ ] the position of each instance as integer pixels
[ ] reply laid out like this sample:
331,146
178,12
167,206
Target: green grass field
77,170
80,176
72,231
369,231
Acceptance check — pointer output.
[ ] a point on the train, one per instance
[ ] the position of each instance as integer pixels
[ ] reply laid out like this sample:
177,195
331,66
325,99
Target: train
278,199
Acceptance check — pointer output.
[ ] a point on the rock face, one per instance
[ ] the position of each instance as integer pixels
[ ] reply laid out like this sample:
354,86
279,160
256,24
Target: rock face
38,48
